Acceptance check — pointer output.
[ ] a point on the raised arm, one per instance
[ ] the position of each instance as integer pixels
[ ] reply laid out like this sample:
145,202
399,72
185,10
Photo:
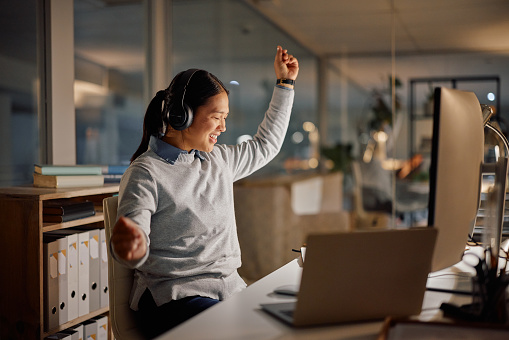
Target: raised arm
245,158
285,65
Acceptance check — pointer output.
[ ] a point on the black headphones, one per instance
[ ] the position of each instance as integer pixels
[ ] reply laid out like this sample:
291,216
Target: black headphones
180,117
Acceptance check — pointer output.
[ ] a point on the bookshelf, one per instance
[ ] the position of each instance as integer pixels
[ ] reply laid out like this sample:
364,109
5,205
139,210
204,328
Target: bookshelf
21,240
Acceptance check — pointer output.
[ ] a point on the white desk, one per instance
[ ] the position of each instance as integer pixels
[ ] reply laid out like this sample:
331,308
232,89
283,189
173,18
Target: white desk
240,317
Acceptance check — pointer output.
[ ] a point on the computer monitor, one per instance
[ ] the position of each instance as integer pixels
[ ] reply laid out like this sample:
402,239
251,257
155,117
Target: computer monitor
455,173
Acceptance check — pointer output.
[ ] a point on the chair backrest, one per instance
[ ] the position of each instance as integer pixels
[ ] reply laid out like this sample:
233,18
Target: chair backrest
363,218
120,281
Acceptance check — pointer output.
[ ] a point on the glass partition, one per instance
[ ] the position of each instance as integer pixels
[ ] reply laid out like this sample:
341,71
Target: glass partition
19,130
108,87
236,43
232,41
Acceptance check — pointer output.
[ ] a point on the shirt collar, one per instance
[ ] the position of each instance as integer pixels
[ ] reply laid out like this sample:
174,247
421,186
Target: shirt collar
169,152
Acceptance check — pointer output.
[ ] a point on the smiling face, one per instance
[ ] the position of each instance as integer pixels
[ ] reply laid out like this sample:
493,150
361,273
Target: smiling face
208,123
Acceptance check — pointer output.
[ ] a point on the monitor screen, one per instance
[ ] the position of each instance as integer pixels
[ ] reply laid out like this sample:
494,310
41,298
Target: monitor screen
456,157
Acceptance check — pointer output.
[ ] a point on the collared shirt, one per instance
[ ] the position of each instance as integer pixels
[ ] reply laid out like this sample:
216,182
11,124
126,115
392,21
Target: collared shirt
187,214
169,152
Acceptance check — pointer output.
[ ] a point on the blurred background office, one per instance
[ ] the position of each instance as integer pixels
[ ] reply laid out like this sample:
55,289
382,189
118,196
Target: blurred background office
363,95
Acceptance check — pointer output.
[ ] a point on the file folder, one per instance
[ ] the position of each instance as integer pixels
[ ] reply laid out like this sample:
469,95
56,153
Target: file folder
102,327
95,271
72,276
50,272
83,273
72,270
78,328
104,300
62,280
90,330
74,334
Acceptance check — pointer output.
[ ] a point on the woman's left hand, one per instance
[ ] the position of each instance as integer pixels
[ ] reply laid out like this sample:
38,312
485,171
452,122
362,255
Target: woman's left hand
285,65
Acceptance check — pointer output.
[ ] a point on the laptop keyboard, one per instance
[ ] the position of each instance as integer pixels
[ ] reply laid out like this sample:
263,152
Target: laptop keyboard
288,312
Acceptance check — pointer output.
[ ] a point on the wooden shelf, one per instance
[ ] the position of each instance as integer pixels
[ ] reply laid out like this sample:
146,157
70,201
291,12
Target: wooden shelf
22,308
76,321
98,217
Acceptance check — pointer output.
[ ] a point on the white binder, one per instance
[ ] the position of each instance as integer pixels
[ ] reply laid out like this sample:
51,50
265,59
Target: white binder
79,329
72,271
50,272
72,276
95,270
74,334
62,280
104,300
90,330
102,327
83,273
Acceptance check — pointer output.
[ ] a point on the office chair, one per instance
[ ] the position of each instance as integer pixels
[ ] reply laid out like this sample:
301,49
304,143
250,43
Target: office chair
366,219
120,281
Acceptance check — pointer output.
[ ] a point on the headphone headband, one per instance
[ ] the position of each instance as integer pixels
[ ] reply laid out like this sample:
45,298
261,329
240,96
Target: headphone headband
180,118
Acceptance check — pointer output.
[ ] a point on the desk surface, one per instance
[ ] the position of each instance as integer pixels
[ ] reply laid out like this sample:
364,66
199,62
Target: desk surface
240,317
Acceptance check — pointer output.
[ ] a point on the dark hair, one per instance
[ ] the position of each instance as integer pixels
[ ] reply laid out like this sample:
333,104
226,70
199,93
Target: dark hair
201,87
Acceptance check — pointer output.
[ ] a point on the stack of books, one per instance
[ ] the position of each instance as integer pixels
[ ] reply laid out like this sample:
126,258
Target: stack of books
59,211
113,173
67,176
72,176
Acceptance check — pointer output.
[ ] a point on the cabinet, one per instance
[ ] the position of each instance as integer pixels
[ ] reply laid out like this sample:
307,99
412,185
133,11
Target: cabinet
421,104
21,241
486,88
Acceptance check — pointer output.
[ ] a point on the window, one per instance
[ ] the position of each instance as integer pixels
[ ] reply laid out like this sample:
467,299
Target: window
19,134
232,41
109,71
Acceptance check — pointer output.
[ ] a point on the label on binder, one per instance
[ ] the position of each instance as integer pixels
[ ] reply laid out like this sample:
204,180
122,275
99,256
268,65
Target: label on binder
53,265
104,255
94,247
73,255
61,262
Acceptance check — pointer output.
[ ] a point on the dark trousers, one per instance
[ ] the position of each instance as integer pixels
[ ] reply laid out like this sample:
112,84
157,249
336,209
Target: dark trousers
154,320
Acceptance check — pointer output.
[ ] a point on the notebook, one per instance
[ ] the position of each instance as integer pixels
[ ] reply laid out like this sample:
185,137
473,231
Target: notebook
357,276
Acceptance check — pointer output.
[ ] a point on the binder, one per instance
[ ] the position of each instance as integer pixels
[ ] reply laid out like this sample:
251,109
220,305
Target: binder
90,330
72,276
72,271
50,272
83,273
104,300
74,334
102,327
78,328
95,271
62,280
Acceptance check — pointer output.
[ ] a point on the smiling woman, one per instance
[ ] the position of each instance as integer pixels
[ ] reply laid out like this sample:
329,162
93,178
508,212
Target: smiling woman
209,121
171,113
176,221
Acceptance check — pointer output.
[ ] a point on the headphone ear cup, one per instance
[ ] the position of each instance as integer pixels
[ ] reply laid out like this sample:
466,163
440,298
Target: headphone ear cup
181,118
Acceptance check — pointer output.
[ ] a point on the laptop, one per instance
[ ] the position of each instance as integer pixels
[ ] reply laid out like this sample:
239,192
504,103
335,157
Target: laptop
360,276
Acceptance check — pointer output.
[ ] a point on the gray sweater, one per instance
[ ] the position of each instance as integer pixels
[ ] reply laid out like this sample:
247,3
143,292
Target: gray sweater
186,210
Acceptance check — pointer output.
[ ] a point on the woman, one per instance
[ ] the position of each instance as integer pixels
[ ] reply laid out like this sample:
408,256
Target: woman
177,220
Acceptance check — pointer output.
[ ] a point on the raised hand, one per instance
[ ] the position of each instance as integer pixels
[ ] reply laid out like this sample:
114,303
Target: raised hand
285,65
